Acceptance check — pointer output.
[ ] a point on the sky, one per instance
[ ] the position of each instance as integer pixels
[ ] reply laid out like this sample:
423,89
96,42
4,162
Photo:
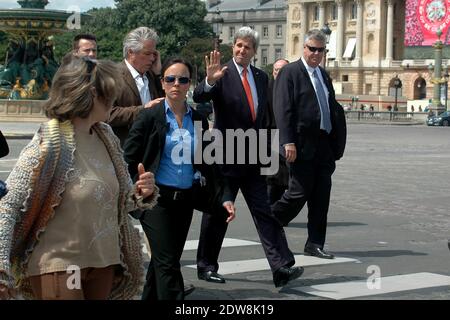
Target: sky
84,5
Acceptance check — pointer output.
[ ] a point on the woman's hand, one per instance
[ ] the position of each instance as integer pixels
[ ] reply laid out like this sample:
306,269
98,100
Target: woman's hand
146,183
214,70
229,206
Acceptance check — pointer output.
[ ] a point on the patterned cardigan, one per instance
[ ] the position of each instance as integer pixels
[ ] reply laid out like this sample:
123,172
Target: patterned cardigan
35,187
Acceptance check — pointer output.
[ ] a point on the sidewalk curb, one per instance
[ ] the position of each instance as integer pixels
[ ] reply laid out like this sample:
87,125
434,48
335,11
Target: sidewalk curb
18,136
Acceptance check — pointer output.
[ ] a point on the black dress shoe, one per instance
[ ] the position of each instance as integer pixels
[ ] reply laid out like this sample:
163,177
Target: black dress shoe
210,276
188,289
285,274
317,252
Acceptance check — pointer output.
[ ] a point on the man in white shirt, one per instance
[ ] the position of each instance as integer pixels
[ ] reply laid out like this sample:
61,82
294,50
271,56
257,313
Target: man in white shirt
142,87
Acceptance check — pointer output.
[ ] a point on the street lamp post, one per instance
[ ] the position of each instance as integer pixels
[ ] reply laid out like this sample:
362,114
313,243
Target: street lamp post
437,80
397,85
446,76
217,23
327,31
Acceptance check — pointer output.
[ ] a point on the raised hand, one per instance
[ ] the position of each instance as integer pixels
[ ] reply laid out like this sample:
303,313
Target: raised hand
146,183
156,66
214,71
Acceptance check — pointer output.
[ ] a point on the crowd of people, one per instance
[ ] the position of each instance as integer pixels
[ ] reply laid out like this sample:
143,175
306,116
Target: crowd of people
122,142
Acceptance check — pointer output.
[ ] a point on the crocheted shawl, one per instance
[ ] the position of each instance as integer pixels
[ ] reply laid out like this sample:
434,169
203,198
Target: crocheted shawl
35,187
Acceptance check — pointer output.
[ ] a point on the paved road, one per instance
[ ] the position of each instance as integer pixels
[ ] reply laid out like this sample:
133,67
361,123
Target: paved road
389,214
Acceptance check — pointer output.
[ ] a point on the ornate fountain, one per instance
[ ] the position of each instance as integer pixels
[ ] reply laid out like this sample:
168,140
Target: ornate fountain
30,64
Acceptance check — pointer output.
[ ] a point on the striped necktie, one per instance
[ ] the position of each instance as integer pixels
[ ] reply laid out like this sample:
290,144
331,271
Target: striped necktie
325,122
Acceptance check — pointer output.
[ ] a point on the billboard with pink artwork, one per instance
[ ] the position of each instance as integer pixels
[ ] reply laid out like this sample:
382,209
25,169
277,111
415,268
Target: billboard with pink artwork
423,19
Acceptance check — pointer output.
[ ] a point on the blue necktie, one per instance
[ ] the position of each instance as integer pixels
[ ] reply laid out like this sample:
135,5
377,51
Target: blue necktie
325,122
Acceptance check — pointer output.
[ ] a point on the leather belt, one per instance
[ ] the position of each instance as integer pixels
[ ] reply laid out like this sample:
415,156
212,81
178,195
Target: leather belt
175,194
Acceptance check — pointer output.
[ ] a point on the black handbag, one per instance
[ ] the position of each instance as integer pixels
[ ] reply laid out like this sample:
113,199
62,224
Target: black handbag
4,149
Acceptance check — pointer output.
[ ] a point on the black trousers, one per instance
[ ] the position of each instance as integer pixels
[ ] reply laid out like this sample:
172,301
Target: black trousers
271,233
309,182
275,192
166,227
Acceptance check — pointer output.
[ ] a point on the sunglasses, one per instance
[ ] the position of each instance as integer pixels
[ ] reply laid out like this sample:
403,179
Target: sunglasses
314,49
181,80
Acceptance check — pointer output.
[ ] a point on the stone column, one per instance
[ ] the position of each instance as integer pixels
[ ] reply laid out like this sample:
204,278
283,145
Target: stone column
359,31
321,5
340,30
390,30
303,24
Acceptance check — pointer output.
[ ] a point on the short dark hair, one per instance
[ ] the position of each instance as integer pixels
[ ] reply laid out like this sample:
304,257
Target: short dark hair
78,37
171,61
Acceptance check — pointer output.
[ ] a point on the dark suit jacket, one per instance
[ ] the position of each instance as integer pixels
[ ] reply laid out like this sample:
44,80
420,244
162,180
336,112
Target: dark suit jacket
281,178
128,102
4,148
297,112
146,141
231,108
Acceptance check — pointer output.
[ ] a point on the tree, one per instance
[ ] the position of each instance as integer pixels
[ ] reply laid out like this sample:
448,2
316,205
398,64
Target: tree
175,21
105,25
196,50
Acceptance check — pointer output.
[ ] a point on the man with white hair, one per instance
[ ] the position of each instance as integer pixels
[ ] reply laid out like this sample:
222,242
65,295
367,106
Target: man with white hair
239,94
141,69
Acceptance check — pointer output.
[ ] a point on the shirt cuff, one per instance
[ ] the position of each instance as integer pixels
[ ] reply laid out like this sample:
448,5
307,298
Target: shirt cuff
208,87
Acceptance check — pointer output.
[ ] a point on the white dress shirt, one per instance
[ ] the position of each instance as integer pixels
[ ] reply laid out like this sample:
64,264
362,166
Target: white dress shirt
141,83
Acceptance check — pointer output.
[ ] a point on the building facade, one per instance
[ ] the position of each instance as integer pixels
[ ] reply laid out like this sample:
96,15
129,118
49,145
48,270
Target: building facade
267,17
365,49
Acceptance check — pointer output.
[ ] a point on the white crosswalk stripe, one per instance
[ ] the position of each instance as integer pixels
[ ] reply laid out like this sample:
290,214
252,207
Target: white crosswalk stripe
335,290
354,289
227,242
240,266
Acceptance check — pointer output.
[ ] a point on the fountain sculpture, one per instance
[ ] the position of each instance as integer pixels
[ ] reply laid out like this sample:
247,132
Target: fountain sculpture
29,64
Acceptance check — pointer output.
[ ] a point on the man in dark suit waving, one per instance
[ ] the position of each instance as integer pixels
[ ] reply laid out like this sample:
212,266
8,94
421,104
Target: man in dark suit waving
313,135
239,94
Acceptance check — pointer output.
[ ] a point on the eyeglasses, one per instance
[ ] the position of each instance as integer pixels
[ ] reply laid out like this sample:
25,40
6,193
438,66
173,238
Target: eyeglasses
314,49
181,80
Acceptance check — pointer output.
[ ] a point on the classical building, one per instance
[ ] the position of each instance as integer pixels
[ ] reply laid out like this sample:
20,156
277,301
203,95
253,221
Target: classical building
366,49
267,17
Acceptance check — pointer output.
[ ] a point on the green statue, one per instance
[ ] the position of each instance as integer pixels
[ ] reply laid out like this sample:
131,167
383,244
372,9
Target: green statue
33,4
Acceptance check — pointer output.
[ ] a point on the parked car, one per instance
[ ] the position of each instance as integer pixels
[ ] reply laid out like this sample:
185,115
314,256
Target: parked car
441,120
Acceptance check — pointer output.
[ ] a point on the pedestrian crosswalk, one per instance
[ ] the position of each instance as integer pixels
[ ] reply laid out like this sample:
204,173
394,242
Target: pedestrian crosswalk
389,284
240,266
334,290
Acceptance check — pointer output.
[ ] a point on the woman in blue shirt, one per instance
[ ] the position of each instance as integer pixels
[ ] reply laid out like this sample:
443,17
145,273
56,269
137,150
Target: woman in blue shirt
165,139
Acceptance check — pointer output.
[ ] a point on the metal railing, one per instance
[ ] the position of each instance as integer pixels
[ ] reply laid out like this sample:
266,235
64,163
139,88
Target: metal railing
385,116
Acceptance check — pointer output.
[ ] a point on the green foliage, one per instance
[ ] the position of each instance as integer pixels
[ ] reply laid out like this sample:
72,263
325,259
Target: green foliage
196,50
268,69
175,21
62,44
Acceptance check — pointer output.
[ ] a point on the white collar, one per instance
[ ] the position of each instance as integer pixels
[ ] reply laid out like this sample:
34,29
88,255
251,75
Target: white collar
309,68
134,73
240,68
